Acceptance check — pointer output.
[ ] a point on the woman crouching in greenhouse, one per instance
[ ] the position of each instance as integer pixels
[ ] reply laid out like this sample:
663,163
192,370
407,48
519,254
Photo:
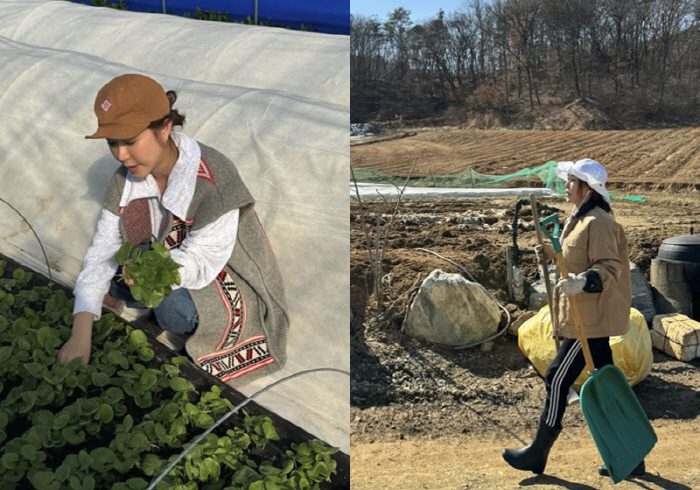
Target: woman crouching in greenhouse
172,189
594,248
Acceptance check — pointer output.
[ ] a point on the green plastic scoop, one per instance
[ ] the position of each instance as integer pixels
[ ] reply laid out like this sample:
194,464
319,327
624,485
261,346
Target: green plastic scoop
620,428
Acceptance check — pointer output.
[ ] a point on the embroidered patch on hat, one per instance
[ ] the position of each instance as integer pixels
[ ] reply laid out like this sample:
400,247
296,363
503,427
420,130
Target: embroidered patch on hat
106,105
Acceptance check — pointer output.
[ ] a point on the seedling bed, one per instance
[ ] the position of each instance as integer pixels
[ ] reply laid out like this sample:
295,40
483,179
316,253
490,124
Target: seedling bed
117,422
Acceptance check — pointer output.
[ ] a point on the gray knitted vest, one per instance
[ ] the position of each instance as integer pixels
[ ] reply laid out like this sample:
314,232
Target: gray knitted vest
243,322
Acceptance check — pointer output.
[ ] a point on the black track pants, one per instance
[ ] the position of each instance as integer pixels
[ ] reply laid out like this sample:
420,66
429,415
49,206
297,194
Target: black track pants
564,370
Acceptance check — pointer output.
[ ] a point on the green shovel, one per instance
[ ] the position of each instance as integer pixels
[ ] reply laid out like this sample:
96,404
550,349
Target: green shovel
618,424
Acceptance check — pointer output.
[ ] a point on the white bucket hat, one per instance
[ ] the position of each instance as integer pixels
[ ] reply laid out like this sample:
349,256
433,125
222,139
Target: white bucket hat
588,170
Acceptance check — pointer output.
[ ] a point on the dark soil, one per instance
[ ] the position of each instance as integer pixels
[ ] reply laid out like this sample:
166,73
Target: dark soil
404,388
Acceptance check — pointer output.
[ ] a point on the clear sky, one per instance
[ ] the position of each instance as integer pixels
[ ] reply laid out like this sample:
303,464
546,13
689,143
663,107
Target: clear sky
420,9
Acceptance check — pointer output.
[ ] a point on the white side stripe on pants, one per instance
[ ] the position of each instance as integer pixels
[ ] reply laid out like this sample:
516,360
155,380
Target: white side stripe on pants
556,382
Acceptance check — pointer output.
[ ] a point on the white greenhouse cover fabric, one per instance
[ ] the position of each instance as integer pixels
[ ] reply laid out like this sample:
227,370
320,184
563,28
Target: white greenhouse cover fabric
296,63
291,149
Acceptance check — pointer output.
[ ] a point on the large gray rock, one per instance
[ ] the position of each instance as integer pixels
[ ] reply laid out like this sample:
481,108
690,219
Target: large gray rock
451,310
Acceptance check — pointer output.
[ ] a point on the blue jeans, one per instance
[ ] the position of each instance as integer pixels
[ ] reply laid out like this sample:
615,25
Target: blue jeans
176,313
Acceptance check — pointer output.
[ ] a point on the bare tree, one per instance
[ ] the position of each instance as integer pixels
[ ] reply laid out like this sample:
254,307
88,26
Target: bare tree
366,40
396,29
520,20
668,21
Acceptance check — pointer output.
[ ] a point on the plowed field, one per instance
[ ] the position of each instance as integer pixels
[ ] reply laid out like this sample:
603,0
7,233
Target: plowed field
644,159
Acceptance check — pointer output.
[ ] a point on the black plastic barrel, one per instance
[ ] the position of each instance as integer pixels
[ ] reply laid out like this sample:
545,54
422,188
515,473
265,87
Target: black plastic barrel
682,248
675,276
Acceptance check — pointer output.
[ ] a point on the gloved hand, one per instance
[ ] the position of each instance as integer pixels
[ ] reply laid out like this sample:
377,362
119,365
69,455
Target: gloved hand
572,285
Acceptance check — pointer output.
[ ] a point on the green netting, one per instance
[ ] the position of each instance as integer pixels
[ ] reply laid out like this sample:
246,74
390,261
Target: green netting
469,178
542,176
629,198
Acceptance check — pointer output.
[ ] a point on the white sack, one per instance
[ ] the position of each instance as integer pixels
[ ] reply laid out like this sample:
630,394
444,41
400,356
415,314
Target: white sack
292,152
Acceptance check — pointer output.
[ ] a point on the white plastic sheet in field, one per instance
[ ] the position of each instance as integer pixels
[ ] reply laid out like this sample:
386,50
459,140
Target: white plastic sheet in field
391,192
291,149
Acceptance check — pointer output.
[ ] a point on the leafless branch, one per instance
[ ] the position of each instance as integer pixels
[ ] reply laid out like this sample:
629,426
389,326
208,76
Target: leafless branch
362,216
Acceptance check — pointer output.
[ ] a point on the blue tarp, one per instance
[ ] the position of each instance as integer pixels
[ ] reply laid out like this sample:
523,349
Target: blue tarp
329,16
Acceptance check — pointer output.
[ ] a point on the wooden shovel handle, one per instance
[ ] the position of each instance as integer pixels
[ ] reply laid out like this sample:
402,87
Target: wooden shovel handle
545,271
536,217
577,318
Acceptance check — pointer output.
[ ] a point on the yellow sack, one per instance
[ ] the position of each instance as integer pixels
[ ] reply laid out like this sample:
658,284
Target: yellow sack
631,352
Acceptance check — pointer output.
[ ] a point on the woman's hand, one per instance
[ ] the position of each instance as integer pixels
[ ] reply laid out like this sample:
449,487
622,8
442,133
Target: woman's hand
572,285
79,344
127,281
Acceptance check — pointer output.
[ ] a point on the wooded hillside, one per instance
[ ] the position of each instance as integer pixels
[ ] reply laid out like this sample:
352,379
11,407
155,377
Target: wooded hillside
532,64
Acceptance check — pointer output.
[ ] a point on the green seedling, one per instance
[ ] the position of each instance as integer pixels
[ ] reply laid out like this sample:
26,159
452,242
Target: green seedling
145,408
153,272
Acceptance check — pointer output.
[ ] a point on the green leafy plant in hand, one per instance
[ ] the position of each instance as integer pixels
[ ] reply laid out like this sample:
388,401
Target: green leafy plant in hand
153,272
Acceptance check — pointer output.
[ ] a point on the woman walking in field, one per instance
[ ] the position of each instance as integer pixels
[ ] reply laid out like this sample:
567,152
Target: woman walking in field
595,252
172,189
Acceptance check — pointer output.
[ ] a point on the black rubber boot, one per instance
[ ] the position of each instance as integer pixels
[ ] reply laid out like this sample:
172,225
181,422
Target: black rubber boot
638,470
534,456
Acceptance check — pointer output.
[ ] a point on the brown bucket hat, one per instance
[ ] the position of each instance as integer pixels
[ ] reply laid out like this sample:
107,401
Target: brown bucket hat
127,105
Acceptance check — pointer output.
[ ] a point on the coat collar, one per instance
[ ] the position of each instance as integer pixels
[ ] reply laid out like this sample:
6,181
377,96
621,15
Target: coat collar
181,182
585,209
571,221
